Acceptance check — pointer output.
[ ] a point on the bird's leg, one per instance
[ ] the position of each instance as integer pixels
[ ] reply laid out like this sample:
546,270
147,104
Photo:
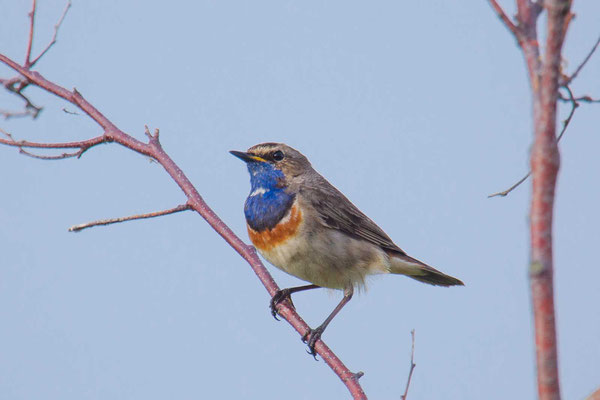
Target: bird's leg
284,294
314,334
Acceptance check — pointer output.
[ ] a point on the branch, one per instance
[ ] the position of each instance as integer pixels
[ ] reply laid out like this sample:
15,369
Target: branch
412,365
525,33
506,20
545,162
83,146
16,86
504,193
80,227
154,150
54,36
594,396
585,60
566,122
31,26
15,114
582,99
545,79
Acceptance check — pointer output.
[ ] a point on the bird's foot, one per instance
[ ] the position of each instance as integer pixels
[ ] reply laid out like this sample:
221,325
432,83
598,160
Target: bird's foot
278,297
312,335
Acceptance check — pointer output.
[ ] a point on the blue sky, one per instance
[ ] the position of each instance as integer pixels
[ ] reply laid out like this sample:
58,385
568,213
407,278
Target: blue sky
415,110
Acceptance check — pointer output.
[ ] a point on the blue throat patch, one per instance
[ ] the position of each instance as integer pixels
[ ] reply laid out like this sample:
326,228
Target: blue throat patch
268,201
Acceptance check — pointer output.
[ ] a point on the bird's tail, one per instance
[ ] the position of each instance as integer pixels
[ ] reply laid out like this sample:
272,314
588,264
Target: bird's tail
413,268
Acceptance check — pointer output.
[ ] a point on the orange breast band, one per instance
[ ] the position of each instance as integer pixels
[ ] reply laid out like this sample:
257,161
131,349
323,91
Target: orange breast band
269,238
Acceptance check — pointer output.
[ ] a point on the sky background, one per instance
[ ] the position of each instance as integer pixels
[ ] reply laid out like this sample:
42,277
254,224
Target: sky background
415,110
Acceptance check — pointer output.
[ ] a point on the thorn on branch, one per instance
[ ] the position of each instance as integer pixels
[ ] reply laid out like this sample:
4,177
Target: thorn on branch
358,375
153,138
412,365
69,112
80,227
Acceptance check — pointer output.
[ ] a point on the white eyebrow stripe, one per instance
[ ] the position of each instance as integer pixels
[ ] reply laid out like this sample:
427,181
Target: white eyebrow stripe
258,191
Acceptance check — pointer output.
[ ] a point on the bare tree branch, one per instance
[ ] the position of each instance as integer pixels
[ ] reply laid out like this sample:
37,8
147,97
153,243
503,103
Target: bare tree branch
17,86
506,20
545,162
412,364
562,132
154,150
54,36
30,40
15,114
585,60
582,99
505,192
594,396
546,79
83,146
80,227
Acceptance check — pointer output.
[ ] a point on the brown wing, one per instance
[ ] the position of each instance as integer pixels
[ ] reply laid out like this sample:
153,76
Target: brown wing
337,212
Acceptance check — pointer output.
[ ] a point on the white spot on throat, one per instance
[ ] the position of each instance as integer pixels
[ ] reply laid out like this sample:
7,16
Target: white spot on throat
258,191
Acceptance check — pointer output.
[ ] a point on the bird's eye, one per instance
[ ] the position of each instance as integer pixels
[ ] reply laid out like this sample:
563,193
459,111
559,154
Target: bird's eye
278,155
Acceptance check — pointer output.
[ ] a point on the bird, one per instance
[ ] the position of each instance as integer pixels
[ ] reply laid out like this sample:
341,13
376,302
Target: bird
305,226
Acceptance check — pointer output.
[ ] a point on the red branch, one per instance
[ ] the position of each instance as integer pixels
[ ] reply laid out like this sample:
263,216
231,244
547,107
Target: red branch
545,163
154,150
545,79
594,396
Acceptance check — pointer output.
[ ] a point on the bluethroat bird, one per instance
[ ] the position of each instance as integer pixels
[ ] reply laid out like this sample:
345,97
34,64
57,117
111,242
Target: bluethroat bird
304,226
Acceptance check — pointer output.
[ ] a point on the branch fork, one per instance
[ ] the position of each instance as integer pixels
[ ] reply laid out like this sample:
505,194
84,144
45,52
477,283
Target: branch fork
154,150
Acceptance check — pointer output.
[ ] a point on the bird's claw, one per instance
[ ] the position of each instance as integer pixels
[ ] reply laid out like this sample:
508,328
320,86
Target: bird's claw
277,298
312,335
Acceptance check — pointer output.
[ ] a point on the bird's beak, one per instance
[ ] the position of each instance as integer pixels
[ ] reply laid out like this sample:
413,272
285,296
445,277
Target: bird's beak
246,157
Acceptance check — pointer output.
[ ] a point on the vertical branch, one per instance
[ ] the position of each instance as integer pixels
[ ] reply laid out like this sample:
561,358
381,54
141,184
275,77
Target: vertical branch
27,63
545,163
545,79
527,14
412,366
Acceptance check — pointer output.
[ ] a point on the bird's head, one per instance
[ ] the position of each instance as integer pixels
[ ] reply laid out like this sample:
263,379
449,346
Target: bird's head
273,165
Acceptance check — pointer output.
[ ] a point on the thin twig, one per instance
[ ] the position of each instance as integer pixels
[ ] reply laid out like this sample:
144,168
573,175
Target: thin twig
16,114
585,60
55,157
506,20
412,365
64,109
510,189
179,208
574,105
56,28
580,99
83,146
17,85
30,41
